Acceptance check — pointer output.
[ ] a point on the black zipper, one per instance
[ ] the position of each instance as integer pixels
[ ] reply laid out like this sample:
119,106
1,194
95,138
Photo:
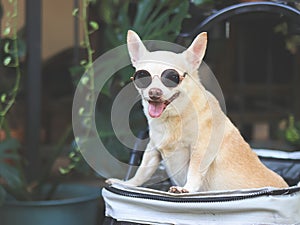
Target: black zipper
131,194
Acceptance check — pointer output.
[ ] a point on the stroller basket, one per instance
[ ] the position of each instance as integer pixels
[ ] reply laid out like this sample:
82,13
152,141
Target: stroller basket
253,206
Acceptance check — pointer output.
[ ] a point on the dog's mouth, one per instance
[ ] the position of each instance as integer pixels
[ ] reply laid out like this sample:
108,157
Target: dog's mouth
156,108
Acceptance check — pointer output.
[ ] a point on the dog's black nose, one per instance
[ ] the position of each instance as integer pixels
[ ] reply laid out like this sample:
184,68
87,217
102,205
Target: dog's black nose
155,93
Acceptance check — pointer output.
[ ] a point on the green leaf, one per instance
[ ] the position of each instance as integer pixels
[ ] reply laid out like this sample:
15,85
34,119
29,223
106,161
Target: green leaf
154,14
75,12
6,31
76,72
173,27
160,19
292,134
111,37
77,139
94,25
72,155
143,12
123,18
10,175
87,122
83,62
6,47
71,166
84,80
81,111
64,171
281,28
76,159
83,44
7,61
3,98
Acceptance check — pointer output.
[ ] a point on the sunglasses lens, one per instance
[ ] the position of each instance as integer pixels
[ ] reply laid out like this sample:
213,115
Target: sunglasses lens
170,78
142,78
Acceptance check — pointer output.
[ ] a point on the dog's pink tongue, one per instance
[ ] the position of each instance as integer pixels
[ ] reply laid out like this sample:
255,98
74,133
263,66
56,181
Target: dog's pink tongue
155,109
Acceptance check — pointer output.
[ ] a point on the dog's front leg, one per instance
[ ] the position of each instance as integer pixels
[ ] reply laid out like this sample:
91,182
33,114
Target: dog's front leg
195,177
149,164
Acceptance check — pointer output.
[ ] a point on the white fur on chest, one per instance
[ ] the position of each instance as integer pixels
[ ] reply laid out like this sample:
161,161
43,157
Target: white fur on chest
174,140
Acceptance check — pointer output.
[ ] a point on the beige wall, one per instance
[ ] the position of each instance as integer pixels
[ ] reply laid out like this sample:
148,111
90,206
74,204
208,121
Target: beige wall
57,24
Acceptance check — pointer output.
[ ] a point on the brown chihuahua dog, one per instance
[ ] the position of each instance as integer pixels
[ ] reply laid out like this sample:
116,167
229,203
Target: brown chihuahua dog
187,126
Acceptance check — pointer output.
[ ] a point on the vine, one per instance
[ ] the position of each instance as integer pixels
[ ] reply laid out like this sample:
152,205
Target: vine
12,60
15,181
87,79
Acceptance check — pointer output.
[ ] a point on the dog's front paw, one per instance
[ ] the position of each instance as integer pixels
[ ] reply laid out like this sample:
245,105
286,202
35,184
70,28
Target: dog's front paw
178,190
111,181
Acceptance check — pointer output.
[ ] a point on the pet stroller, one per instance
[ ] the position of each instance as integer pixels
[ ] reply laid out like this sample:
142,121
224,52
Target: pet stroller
138,205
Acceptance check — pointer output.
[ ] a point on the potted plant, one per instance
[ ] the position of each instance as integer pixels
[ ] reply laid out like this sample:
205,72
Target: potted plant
153,20
43,200
289,131
164,24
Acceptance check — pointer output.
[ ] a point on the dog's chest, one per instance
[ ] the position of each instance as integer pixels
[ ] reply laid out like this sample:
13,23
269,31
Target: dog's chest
177,163
174,142
168,135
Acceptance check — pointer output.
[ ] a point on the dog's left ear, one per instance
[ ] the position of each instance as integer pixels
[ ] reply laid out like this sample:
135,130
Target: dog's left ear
136,48
195,52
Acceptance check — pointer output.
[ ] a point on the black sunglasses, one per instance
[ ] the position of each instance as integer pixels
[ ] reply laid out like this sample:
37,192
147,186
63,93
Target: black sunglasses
170,78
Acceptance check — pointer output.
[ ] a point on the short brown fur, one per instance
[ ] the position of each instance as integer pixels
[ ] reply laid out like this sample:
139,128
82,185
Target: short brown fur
193,128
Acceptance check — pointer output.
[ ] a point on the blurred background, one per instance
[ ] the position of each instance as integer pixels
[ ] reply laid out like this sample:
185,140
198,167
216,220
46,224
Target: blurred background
253,50
254,54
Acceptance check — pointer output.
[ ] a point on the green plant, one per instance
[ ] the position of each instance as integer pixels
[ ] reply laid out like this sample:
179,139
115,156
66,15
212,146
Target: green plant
13,178
292,41
88,81
10,59
152,20
290,131
9,163
159,19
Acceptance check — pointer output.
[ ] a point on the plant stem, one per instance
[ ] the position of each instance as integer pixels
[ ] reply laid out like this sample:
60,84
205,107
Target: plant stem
89,65
89,51
15,52
4,126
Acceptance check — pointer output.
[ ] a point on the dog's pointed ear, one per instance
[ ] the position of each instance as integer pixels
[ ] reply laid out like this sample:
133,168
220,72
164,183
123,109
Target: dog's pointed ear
136,48
195,52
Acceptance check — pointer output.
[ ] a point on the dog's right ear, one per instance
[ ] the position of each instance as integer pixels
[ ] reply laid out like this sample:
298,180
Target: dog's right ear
136,48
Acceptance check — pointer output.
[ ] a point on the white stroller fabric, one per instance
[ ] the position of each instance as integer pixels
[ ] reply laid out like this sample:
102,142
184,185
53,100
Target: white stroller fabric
240,207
